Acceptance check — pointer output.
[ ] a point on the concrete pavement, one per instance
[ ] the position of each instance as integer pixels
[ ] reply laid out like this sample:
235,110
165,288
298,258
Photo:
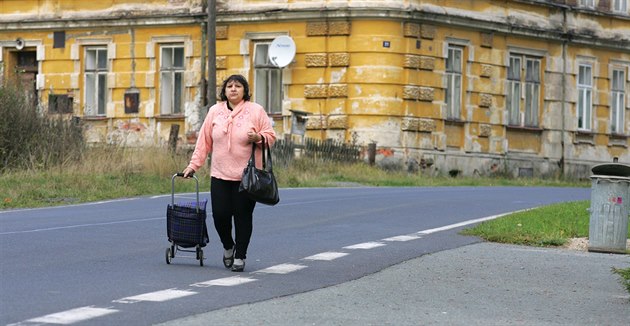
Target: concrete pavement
478,284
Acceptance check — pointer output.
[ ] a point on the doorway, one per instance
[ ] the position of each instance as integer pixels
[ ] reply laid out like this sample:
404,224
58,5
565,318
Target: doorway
24,72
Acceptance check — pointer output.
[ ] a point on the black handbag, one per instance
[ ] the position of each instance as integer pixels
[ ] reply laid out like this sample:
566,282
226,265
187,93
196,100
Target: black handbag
260,184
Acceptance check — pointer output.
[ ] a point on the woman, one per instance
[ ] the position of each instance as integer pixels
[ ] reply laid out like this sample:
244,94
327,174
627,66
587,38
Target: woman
228,132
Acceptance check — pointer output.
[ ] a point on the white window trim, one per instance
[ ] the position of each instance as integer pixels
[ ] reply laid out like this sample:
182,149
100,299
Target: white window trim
536,86
262,37
184,87
623,9
587,3
85,49
524,55
270,70
514,120
75,50
455,113
624,99
588,125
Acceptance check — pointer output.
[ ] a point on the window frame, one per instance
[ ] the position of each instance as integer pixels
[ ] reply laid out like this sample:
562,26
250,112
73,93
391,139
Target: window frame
454,81
96,95
523,98
587,3
620,6
513,99
265,90
170,102
533,82
618,100
584,103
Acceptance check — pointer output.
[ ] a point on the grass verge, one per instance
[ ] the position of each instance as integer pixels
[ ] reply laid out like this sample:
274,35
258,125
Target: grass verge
114,172
624,274
550,225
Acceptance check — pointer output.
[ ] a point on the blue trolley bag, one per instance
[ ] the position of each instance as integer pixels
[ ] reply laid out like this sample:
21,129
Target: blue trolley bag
186,224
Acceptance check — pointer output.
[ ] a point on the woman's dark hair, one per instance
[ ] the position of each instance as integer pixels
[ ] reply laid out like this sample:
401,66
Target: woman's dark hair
242,81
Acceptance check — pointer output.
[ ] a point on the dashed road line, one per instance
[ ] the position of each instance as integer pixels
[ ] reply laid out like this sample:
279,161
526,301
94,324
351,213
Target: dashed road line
226,281
456,225
71,316
366,245
403,238
327,256
157,296
281,269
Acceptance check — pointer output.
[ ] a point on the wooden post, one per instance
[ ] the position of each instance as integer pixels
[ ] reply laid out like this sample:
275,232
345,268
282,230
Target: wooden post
172,138
372,153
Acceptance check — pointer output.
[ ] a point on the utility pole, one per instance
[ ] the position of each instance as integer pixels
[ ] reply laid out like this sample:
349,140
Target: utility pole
211,95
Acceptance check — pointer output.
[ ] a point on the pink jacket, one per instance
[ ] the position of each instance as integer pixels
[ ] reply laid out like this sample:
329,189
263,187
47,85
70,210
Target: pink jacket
224,134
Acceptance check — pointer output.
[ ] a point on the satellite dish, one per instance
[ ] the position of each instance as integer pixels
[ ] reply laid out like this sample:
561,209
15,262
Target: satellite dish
281,51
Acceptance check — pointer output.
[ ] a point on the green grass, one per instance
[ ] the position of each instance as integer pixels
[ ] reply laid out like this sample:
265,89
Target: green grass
108,173
624,274
550,225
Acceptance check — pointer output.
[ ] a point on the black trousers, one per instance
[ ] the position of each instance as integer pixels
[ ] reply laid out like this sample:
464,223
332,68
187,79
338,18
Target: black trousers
228,203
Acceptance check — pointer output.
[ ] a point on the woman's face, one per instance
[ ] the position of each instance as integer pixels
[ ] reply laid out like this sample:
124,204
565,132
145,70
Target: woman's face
234,91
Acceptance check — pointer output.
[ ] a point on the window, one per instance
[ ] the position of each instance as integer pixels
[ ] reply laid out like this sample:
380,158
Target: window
454,82
620,6
59,103
617,109
268,80
587,3
171,79
532,91
95,81
529,76
585,91
514,91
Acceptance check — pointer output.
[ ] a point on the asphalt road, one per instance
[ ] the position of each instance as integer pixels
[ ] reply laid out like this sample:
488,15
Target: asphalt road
104,263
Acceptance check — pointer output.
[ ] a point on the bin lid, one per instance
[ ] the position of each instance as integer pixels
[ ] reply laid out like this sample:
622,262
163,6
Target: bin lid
613,169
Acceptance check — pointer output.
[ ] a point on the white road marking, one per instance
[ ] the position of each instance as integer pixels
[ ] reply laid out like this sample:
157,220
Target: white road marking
158,296
83,225
281,269
365,245
66,206
403,238
326,256
456,225
73,315
227,281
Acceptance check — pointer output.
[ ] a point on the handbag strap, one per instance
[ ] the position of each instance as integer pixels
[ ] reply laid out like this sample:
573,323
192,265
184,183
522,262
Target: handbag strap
266,157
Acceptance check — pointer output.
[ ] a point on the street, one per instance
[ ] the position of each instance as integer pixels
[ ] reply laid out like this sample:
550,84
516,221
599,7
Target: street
104,263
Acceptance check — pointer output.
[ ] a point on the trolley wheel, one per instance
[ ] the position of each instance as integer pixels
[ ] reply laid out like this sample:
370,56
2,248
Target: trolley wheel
173,251
200,256
168,256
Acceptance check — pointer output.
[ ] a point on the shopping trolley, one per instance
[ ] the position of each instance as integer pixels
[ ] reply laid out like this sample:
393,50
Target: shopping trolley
186,225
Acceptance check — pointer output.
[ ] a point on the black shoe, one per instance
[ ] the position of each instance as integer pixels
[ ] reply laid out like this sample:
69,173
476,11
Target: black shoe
238,265
228,261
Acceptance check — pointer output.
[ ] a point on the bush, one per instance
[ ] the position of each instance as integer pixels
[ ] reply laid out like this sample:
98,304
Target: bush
31,139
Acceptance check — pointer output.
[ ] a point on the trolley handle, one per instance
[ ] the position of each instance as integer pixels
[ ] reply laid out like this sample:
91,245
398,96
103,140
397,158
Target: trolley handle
181,174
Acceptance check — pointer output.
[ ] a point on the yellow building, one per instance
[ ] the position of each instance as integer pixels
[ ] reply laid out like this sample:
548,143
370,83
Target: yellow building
522,87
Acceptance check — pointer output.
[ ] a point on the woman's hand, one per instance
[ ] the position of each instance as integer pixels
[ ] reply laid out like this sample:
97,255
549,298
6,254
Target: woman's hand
188,172
253,137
